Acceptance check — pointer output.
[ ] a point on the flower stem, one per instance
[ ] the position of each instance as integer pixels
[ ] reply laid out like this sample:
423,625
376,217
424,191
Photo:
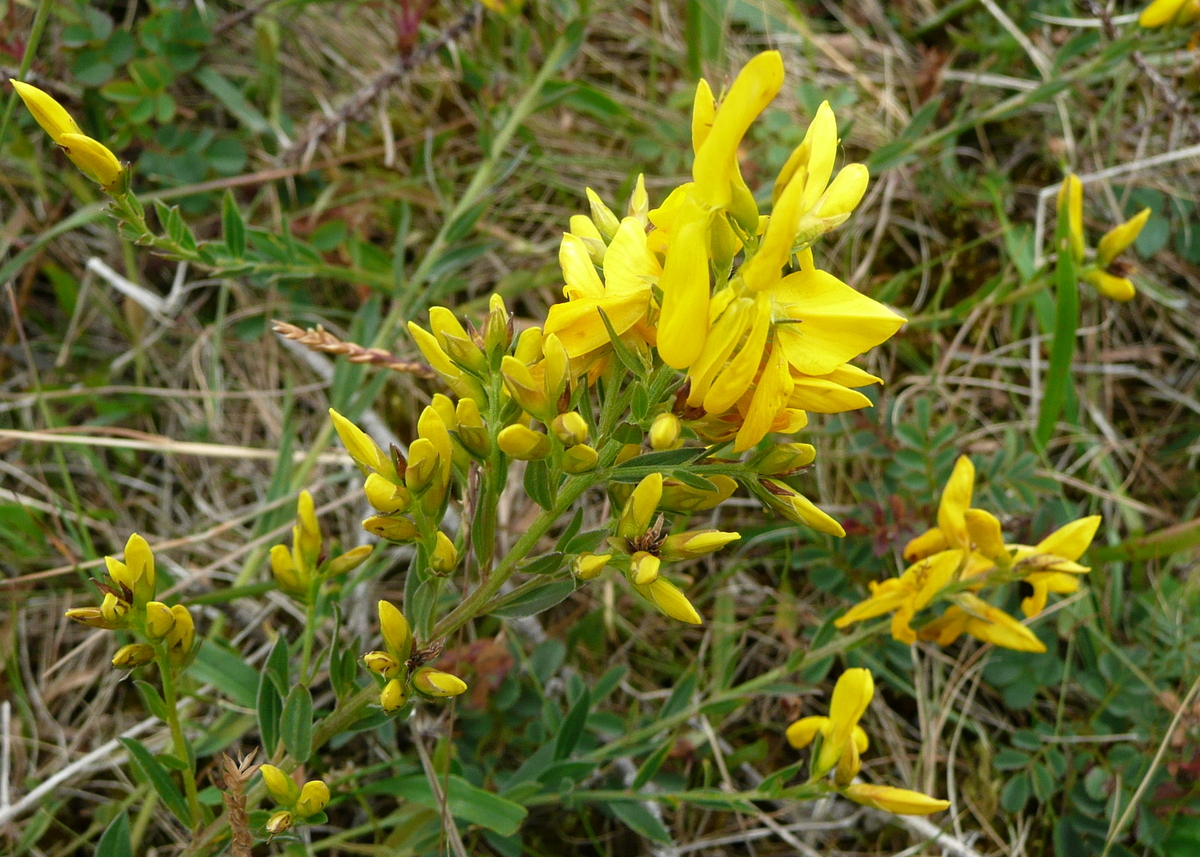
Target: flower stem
310,622
167,674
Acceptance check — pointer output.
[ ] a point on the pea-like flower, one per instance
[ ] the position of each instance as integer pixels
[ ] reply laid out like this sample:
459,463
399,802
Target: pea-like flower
93,158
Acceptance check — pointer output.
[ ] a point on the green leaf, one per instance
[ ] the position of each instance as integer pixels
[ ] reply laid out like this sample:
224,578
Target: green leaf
681,696
546,564
295,724
466,802
662,459
277,665
1059,381
159,778
233,226
270,709
705,21
227,672
538,485
650,767
151,699
230,96
116,840
572,726
534,601
638,819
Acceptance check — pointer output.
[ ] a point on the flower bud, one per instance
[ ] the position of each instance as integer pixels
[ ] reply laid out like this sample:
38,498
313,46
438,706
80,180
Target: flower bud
279,822
424,466
114,610
529,346
580,459
133,655
381,663
313,798
365,452
430,682
523,444
52,116
444,556
667,598
664,432
1112,287
695,543
397,635
679,497
306,537
399,530
890,799
385,496
472,431
628,451
796,507
587,566
524,389
445,409
455,341
602,215
556,367
159,620
182,635
570,428
465,386
93,159
393,697
280,786
139,560
640,508
643,569
1070,207
91,616
497,327
348,561
1117,239
785,459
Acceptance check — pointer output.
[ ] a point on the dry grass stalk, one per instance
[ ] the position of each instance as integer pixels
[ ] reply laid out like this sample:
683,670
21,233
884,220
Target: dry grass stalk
320,339
235,776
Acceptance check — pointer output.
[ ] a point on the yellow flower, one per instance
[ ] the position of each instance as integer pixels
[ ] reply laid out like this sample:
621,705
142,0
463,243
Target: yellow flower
1160,13
899,801
280,786
159,620
840,733
382,664
972,615
133,655
313,798
397,637
428,681
951,531
279,822
52,116
587,565
667,597
182,635
392,698
903,596
92,158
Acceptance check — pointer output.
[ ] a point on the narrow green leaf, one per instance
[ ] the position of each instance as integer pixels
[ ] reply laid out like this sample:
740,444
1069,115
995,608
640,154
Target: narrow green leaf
538,485
295,723
270,709
639,819
572,726
159,778
151,699
534,601
116,840
650,767
277,665
681,696
1062,350
230,96
233,226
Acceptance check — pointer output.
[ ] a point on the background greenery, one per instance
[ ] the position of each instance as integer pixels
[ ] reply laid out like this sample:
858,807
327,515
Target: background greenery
964,112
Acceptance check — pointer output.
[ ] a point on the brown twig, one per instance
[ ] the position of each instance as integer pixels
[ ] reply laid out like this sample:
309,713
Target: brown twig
235,777
319,339
305,145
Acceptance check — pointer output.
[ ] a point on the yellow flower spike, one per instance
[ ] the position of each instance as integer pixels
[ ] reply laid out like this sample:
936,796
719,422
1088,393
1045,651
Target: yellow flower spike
52,116
386,497
984,535
956,499
580,459
644,568
313,798
802,732
133,655
665,431
1114,288
1160,13
846,191
363,450
570,428
159,620
182,635
606,222
397,636
522,443
93,617
1118,239
392,698
891,799
754,88
280,786
348,561
428,681
381,663
587,566
667,597
640,507
972,615
399,530
851,695
1071,541
445,555
695,543
93,159
1070,206
786,458
307,534
796,507
279,822
113,610
704,110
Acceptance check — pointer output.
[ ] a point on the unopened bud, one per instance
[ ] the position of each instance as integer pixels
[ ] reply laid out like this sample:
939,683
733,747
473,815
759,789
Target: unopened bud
497,327
348,561
1114,288
280,786
587,566
580,459
159,620
695,543
385,496
430,682
279,822
399,530
381,663
365,452
524,389
397,635
1117,239
523,444
796,507
640,507
133,655
643,569
602,216
313,798
680,497
114,610
664,432
556,365
424,466
393,697
570,428
785,459
444,556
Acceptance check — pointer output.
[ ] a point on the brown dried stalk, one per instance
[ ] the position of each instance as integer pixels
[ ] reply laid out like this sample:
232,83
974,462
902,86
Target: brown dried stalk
235,776
320,339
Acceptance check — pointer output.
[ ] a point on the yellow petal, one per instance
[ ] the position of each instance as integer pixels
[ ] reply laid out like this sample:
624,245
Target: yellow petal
849,375
927,544
770,395
983,533
1072,540
393,627
891,799
92,158
579,327
884,600
629,266
683,323
1114,288
956,499
1159,13
1115,241
822,141
723,337
851,696
763,269
825,397
577,268
831,322
801,733
668,598
847,190
1070,206
733,381
52,116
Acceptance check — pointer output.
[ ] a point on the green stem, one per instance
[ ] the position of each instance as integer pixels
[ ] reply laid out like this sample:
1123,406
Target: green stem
310,623
35,37
167,674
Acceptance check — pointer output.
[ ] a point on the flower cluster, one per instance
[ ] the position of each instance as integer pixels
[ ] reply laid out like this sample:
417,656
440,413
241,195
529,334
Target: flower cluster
129,605
296,803
1105,272
400,670
301,569
839,743
93,158
965,554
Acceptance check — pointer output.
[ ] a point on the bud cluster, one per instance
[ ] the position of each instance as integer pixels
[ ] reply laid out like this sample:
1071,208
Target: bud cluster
301,569
399,670
296,803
